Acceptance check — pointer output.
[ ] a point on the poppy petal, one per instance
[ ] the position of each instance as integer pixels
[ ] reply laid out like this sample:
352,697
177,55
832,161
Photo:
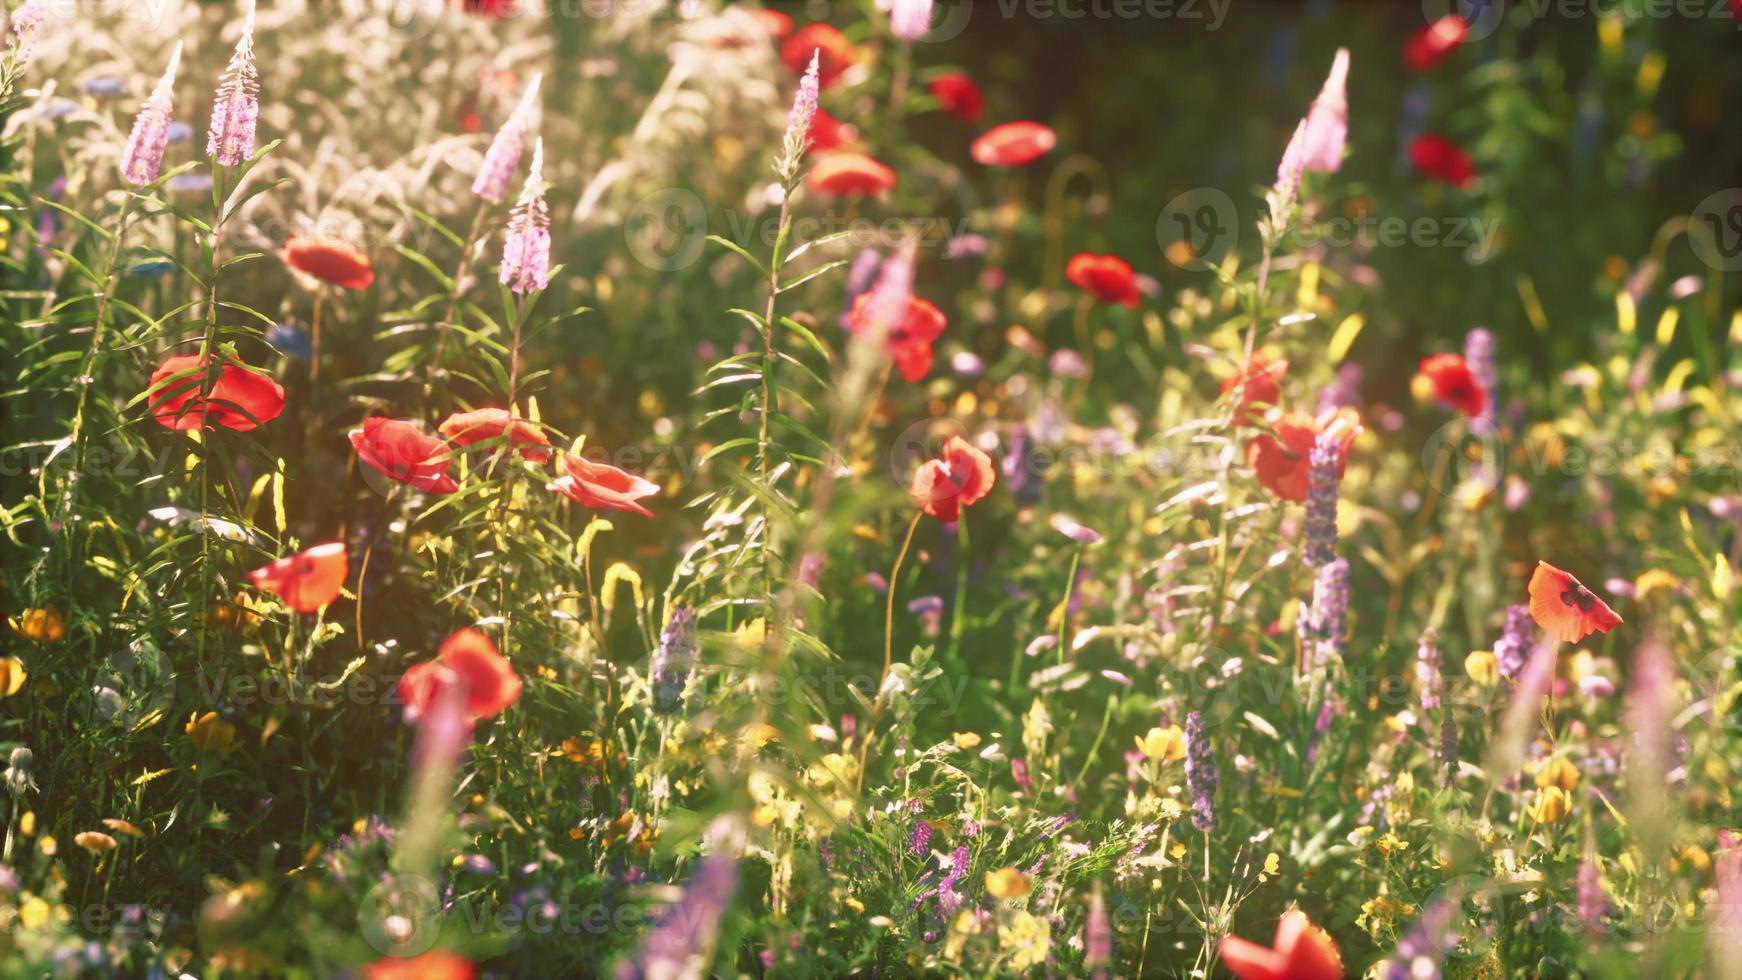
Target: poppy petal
1564,608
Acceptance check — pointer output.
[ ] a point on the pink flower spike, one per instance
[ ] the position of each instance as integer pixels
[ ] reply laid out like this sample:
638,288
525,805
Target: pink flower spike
497,171
804,104
526,248
1327,123
142,158
236,107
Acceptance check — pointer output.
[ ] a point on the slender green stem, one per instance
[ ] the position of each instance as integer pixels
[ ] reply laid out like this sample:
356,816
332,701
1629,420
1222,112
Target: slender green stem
768,404
959,616
463,269
1065,609
888,645
87,378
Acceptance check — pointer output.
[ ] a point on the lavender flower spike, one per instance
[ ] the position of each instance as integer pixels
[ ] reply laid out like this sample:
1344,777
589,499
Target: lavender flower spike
1427,668
1515,642
1327,122
142,158
236,107
1331,609
497,171
681,941
673,660
1200,773
1321,506
26,23
1479,355
526,249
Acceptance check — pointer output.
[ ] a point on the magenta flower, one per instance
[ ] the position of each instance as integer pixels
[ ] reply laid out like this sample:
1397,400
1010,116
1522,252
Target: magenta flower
526,250
497,171
236,107
1327,122
142,158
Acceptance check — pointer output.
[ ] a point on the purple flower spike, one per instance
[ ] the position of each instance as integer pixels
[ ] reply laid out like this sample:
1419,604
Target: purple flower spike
1200,773
497,171
236,107
526,249
142,158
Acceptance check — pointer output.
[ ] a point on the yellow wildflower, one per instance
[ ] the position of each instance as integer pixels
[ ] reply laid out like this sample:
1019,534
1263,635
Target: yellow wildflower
94,841
1007,883
966,740
1654,581
1389,843
1558,771
211,733
1163,744
12,676
1552,806
33,913
42,625
1272,866
122,827
1483,668
1028,938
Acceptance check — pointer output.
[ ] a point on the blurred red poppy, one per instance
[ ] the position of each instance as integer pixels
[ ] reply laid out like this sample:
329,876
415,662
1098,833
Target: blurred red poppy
1442,159
490,8
1013,144
603,486
1454,384
776,23
845,173
433,965
468,659
466,428
241,399
1106,277
1300,951
1429,47
961,477
958,95
1260,388
828,133
398,449
1564,608
836,53
1282,459
306,581
329,260
910,340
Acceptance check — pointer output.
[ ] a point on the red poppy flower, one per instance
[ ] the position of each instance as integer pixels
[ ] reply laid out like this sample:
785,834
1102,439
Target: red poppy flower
828,133
466,428
241,399
777,24
958,95
1454,384
433,965
1283,460
843,174
1013,144
961,477
909,340
1107,277
1260,388
1442,159
601,485
470,660
836,53
1429,47
490,8
401,451
329,260
306,581
1301,951
1564,608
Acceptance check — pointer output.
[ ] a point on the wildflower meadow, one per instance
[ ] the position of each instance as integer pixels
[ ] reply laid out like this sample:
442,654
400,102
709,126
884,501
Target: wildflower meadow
870,488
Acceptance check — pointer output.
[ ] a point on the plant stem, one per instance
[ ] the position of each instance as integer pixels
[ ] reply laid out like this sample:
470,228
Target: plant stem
888,645
768,390
959,616
87,370
463,269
